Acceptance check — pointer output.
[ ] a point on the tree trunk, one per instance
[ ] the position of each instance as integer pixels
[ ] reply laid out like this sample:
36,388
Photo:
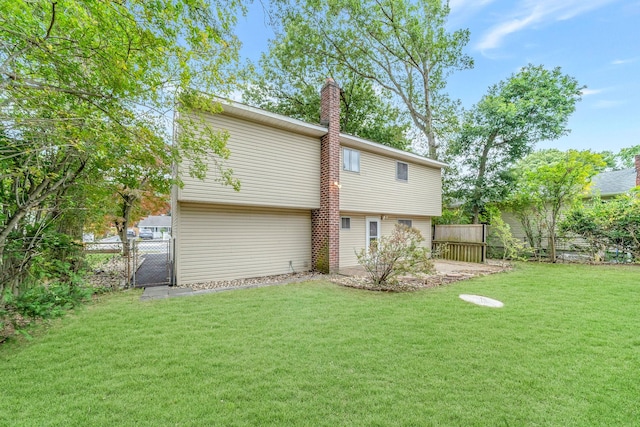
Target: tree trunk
479,185
122,223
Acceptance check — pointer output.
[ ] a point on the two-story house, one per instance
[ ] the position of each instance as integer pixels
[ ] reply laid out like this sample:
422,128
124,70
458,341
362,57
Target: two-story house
310,198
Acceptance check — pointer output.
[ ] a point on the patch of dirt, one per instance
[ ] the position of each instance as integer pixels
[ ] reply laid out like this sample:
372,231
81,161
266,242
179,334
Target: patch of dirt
409,284
111,275
454,273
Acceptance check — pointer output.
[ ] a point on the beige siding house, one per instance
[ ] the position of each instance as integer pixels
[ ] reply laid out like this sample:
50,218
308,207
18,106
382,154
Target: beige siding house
310,197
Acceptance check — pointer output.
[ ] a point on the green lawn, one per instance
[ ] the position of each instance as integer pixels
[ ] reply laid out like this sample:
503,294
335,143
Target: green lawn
565,350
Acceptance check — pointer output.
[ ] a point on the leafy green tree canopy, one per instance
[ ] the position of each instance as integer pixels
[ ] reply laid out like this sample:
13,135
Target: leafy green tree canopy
86,88
401,47
532,105
289,83
550,182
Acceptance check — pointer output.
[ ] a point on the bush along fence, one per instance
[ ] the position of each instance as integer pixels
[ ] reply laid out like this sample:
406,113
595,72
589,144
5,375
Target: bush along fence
467,242
44,275
568,249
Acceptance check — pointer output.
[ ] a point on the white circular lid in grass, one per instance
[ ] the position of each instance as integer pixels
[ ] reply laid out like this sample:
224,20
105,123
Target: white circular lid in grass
480,300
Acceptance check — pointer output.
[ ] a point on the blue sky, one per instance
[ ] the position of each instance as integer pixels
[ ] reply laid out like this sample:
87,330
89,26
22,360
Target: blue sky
596,41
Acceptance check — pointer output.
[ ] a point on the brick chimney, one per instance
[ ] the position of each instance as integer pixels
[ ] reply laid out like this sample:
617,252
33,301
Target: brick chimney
325,222
637,158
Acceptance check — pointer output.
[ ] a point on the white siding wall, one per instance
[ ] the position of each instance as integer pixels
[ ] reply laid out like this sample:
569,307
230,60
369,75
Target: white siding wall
225,242
516,226
376,189
276,168
353,240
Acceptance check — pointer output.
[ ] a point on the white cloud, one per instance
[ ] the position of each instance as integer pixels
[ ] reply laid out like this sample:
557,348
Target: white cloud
529,13
623,61
587,91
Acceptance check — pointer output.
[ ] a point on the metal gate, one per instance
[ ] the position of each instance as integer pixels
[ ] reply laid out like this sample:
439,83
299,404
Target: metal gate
153,263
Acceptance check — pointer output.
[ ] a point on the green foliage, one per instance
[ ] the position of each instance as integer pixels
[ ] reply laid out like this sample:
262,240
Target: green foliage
548,183
42,277
626,156
532,105
88,89
500,236
396,255
48,301
289,84
613,224
38,254
402,47
452,216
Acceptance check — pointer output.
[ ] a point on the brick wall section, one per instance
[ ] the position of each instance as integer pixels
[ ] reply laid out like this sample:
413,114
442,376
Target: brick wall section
325,222
637,159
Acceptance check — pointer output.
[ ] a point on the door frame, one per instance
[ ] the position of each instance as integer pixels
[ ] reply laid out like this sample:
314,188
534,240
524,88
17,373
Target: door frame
368,220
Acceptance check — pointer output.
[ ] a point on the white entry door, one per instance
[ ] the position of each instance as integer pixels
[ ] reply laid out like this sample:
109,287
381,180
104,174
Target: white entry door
373,230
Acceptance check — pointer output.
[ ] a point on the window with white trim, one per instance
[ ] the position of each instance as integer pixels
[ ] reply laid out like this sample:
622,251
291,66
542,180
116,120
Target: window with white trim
346,223
350,160
406,222
402,171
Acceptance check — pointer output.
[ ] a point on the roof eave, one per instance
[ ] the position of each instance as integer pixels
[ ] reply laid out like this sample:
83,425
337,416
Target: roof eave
257,115
374,147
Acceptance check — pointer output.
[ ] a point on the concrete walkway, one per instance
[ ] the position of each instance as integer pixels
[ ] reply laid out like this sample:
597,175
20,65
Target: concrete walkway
153,271
159,292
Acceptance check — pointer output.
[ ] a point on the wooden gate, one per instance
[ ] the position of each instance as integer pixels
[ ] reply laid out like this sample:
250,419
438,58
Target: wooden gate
466,242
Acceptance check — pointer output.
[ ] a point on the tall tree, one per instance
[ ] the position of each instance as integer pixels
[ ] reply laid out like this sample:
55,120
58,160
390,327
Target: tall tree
283,88
549,182
532,105
400,46
288,83
87,86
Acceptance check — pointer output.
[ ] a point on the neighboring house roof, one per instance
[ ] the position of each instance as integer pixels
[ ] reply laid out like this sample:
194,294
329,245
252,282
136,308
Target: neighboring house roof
258,115
614,182
155,221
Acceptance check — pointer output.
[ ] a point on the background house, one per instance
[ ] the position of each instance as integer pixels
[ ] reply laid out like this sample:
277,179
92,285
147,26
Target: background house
159,225
614,183
310,197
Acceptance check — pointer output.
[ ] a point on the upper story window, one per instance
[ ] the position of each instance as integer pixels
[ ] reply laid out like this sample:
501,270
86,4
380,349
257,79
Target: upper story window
350,160
402,171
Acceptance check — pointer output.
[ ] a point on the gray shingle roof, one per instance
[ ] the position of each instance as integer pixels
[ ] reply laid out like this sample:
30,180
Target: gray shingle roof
614,182
155,221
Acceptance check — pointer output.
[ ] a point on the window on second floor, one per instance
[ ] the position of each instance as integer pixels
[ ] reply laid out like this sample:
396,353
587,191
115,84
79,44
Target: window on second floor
350,160
402,171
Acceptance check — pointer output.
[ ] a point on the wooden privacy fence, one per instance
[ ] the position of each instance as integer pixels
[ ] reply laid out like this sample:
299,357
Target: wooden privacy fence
461,242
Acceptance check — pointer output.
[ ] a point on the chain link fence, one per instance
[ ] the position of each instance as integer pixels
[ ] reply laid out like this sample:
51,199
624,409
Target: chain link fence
145,263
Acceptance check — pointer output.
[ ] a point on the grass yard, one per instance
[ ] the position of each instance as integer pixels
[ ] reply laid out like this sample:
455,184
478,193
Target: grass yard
565,350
